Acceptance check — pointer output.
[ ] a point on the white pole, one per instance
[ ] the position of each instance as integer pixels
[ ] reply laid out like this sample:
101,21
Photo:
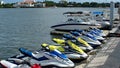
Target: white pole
111,13
119,12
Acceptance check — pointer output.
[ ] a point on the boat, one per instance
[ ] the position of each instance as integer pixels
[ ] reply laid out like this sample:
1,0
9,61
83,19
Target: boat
76,20
101,18
71,26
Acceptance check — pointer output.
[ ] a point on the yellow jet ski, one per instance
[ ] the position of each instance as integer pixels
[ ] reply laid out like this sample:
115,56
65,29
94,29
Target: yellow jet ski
78,41
72,51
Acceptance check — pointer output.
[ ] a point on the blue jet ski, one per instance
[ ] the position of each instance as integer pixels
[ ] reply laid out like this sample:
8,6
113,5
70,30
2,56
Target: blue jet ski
98,30
87,37
96,35
49,58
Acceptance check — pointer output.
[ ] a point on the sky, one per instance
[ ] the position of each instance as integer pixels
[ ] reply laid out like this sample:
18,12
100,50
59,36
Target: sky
13,1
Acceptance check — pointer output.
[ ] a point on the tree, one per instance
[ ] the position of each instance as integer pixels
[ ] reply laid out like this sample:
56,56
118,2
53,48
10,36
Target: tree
8,5
49,3
0,6
93,4
102,5
86,4
107,4
74,4
117,4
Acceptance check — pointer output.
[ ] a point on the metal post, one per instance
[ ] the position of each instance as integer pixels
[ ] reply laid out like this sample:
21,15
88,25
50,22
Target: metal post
119,12
111,13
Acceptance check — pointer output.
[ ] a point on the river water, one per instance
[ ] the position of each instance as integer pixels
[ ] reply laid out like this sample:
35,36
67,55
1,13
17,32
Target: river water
29,27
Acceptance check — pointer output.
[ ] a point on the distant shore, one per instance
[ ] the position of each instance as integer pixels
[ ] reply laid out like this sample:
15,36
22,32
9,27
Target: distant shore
47,4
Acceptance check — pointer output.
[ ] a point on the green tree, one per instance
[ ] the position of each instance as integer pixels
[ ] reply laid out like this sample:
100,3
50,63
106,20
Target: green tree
107,4
0,6
93,4
49,3
79,4
8,5
86,4
64,4
117,4
74,4
102,5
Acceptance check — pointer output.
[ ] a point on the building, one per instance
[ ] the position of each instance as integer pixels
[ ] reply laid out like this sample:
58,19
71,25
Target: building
29,1
40,4
1,2
25,3
29,4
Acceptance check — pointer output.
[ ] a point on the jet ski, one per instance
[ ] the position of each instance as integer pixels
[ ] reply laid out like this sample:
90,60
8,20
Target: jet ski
97,35
47,58
17,63
77,33
70,49
78,41
98,31
87,37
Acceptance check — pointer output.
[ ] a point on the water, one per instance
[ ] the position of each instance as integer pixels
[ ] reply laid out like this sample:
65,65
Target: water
29,27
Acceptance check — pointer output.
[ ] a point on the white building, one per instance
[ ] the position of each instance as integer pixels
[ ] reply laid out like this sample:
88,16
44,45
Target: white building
1,2
40,5
29,5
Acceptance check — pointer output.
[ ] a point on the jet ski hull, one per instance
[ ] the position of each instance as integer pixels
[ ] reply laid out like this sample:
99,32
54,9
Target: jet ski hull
54,57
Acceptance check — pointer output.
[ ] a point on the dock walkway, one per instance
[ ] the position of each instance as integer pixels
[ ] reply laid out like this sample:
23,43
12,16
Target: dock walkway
108,57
